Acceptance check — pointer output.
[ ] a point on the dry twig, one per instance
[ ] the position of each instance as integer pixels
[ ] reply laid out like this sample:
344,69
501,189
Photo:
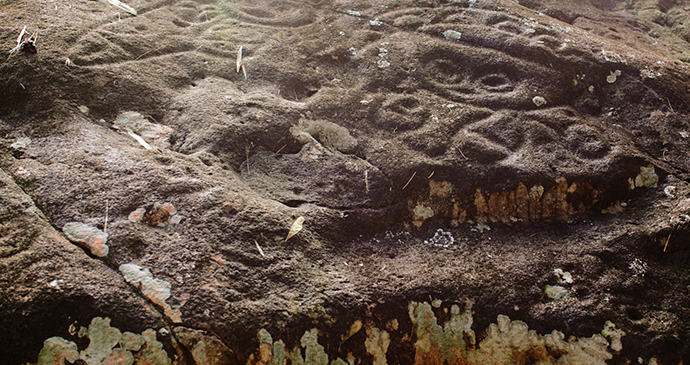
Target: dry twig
120,5
259,248
409,181
105,225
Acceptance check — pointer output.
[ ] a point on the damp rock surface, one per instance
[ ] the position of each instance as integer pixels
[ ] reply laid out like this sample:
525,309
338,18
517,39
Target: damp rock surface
455,153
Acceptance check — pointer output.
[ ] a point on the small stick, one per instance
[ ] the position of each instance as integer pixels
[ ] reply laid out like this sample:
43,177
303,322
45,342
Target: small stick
247,150
21,35
281,148
463,155
259,248
432,174
366,180
105,225
19,42
670,106
145,53
239,59
34,37
668,239
280,140
120,5
409,181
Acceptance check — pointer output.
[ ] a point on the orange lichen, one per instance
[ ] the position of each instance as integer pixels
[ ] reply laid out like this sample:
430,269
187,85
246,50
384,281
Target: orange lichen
137,215
160,215
521,204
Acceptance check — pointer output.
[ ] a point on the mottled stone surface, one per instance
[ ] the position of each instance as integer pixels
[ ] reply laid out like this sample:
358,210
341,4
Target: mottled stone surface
461,150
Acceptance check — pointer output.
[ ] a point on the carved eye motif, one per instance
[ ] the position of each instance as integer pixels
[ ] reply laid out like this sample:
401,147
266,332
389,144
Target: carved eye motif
496,82
586,141
446,71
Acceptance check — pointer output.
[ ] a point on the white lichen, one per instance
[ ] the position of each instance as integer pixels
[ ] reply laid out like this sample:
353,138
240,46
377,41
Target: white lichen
539,101
452,35
612,77
555,292
614,335
93,238
563,276
638,267
441,239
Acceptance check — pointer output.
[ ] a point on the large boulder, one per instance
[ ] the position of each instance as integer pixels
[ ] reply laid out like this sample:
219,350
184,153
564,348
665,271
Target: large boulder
469,154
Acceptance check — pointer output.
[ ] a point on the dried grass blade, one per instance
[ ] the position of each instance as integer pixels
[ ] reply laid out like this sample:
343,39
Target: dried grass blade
120,5
139,139
259,248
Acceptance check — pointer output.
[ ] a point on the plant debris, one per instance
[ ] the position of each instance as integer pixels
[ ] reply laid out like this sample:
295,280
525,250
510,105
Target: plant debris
26,46
122,6
296,227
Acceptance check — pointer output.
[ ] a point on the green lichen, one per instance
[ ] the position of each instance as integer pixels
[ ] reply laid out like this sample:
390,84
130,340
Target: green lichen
454,342
153,353
610,331
131,341
275,353
103,339
314,353
646,178
377,343
436,344
107,346
57,350
555,292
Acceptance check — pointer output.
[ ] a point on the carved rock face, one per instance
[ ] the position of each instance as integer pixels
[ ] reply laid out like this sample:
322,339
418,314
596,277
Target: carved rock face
482,97
378,124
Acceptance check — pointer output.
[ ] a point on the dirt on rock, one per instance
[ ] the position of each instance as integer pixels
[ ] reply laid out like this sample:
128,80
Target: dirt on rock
487,158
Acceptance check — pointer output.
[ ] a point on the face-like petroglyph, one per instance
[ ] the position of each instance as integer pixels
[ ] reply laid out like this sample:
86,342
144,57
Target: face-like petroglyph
481,95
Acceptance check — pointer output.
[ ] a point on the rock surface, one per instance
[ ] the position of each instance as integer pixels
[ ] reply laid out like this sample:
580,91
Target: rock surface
452,152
